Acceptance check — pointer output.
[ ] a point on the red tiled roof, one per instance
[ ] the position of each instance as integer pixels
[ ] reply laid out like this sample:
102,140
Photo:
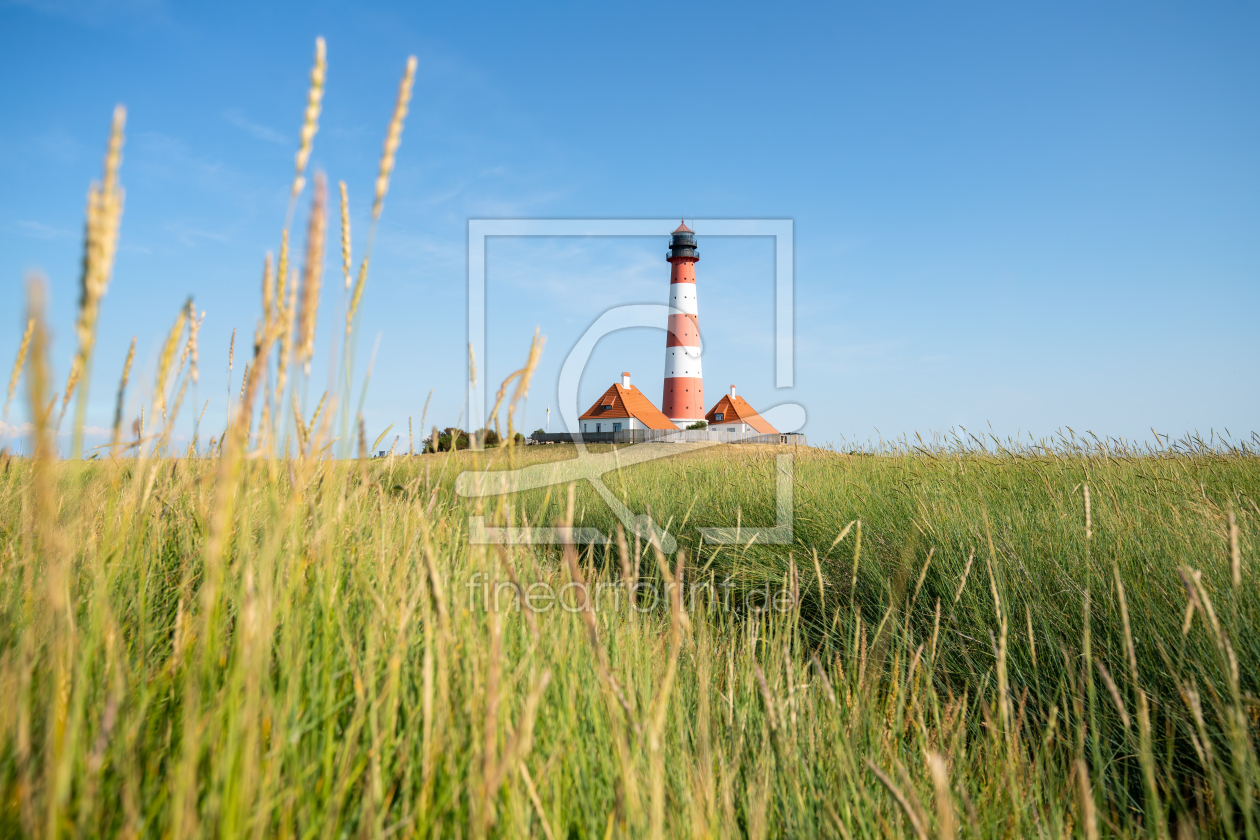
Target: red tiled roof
628,402
737,409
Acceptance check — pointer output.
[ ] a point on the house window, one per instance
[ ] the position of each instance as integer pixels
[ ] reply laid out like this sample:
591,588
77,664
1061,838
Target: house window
720,416
597,427
616,427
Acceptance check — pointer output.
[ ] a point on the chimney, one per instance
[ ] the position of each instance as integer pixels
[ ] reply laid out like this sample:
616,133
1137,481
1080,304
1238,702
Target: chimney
625,379
732,391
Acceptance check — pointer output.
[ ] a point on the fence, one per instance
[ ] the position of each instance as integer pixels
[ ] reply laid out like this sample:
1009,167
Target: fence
670,436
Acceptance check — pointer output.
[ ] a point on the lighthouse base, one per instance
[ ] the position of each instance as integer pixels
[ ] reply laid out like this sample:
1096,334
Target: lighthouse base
683,400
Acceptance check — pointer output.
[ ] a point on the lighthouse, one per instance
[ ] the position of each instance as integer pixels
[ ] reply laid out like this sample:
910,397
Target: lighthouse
682,400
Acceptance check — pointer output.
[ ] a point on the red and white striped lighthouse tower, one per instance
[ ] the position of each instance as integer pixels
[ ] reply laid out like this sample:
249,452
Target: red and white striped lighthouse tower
683,398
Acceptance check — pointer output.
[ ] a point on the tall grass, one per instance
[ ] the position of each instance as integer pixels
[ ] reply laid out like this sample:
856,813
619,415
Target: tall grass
1054,642
335,667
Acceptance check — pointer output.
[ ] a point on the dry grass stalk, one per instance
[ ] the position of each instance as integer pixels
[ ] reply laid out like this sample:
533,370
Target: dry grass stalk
766,697
522,377
233,444
231,359
18,363
37,377
284,330
1114,691
944,802
312,274
537,803
268,287
922,575
122,389
826,681
71,381
301,426
916,823
187,347
310,120
194,324
393,137
54,607
1235,555
319,407
857,556
282,276
356,297
104,214
1089,522
345,233
1088,818
168,356
962,584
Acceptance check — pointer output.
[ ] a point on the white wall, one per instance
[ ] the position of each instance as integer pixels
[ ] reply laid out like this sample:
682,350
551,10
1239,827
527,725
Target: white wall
627,423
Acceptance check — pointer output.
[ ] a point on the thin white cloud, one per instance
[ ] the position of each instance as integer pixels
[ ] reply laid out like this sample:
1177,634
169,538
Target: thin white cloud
25,428
189,235
259,132
39,230
170,158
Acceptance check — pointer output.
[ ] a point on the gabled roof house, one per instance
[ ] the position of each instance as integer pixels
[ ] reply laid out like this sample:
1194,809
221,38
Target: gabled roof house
622,408
733,414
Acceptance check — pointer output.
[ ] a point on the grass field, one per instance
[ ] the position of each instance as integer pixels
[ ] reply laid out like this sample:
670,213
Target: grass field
330,671
246,637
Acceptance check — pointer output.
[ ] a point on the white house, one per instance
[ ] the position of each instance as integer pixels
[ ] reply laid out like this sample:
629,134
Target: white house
622,408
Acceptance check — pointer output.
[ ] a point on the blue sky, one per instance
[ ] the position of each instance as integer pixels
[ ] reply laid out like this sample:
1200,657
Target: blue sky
1017,217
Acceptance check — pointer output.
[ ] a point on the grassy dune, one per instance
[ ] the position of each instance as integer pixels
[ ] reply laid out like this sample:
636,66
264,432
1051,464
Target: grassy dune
332,672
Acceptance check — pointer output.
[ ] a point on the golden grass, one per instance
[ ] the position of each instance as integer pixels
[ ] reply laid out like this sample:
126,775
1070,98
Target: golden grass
312,274
122,391
310,120
393,137
345,233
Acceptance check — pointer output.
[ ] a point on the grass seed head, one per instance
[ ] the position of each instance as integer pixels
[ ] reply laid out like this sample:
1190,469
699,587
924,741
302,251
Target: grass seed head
122,389
357,296
282,273
168,356
19,363
345,233
393,137
310,120
76,369
104,212
312,273
194,324
268,287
